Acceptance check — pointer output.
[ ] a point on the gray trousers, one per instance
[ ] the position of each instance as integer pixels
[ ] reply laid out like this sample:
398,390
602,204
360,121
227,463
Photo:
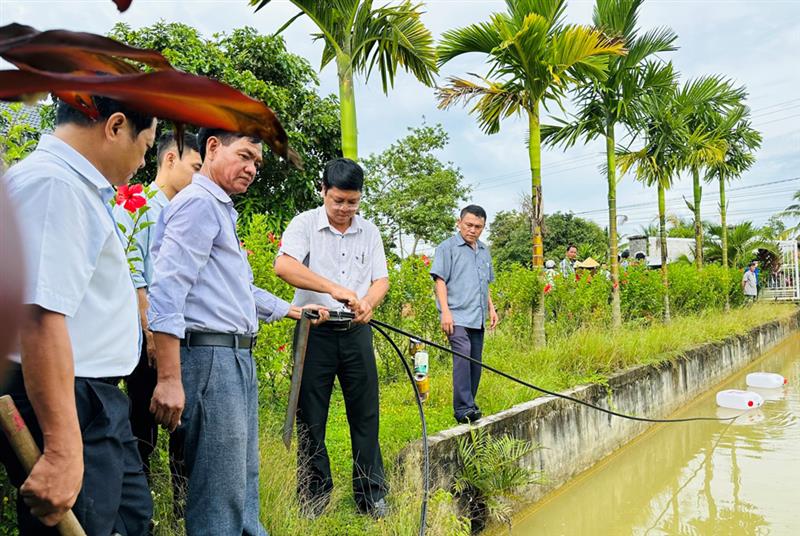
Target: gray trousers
466,375
220,428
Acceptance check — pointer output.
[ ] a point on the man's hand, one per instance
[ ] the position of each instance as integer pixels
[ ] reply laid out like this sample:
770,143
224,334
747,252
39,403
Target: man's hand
447,322
168,402
363,312
54,483
345,296
493,319
323,312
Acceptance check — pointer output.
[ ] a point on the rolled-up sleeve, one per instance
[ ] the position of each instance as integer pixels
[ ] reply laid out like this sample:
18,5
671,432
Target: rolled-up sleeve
441,265
268,306
187,232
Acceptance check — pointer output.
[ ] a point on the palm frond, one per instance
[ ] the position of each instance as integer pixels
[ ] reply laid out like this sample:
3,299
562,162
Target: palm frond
393,36
482,37
495,100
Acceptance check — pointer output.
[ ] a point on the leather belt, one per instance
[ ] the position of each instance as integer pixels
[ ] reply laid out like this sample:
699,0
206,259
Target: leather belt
226,340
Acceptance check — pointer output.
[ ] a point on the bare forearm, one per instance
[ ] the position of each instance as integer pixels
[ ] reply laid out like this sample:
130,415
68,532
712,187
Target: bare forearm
48,369
141,294
441,294
376,292
168,356
299,276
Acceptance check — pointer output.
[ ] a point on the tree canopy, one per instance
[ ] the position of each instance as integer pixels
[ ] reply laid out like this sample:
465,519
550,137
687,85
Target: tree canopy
260,66
510,237
410,192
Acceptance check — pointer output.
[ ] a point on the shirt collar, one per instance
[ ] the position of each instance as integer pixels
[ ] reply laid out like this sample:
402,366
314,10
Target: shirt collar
212,187
61,149
323,222
461,242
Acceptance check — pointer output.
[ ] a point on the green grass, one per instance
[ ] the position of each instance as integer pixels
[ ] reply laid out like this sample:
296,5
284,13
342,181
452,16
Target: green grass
589,355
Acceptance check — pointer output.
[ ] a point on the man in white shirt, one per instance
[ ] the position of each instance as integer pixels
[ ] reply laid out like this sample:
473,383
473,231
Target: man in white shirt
333,257
78,334
750,283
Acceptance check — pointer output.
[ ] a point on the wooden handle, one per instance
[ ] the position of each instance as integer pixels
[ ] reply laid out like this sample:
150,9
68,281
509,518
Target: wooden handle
21,440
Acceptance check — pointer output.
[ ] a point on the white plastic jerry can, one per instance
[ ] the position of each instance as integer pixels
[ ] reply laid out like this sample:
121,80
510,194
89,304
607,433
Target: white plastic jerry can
765,380
736,399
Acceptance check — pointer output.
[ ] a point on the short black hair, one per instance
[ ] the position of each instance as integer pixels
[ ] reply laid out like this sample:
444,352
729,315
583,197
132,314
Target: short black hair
66,114
344,174
167,141
569,247
752,263
475,210
225,137
626,254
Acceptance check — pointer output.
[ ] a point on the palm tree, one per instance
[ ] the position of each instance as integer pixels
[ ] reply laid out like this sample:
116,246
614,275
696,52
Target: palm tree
744,241
361,37
741,140
704,116
533,57
604,105
671,146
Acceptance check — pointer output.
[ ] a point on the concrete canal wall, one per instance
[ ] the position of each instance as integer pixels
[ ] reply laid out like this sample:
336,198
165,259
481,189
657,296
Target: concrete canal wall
574,437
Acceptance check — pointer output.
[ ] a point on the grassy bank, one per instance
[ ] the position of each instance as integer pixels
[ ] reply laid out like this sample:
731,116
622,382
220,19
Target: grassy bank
585,356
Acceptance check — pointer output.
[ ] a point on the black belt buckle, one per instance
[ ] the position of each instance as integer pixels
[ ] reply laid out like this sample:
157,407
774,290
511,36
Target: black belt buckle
340,325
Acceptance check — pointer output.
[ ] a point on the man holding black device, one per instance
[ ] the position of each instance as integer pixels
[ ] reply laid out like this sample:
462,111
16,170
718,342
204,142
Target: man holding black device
333,257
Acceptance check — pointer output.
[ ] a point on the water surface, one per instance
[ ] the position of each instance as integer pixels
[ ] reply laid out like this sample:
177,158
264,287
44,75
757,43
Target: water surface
700,478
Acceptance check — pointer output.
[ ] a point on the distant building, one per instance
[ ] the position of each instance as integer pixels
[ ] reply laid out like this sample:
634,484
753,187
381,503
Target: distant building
29,115
651,246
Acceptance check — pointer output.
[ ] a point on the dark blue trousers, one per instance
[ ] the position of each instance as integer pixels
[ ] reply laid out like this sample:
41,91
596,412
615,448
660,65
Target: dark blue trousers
466,375
115,496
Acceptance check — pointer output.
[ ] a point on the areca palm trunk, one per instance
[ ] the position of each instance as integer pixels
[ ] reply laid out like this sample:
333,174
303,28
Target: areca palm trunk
698,222
347,106
662,231
723,220
616,313
537,218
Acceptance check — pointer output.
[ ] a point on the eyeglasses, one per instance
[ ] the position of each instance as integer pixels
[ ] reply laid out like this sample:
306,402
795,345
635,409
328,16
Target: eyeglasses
348,205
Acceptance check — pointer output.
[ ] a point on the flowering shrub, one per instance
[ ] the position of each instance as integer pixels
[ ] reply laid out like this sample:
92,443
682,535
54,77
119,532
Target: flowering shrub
134,199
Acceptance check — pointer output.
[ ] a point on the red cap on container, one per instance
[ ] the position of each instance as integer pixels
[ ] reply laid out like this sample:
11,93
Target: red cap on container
750,403
785,381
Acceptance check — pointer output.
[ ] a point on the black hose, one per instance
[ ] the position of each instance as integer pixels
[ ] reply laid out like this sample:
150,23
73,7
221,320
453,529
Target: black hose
378,323
423,515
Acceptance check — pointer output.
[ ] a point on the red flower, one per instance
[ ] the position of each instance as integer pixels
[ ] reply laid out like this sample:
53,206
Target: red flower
130,197
282,348
547,288
616,285
271,238
426,260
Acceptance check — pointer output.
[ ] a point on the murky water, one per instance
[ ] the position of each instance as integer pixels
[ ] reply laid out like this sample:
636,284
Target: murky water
700,478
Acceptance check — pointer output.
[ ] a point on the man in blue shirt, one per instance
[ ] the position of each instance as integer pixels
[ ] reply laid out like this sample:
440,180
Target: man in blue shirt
174,174
204,313
79,334
462,270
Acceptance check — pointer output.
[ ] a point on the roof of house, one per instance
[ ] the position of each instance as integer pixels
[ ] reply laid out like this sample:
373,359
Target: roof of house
27,114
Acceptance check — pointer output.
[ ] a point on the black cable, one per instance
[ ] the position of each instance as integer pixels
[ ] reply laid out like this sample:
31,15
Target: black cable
423,515
377,323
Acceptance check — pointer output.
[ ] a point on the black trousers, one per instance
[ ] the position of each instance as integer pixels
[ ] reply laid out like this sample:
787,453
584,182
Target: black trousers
115,496
140,385
349,356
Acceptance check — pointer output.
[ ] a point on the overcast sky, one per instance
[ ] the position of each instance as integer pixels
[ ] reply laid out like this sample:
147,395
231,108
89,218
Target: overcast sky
754,43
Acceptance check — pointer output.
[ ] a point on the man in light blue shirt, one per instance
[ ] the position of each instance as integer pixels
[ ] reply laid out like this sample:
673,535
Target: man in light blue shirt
80,332
204,312
175,172
462,270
